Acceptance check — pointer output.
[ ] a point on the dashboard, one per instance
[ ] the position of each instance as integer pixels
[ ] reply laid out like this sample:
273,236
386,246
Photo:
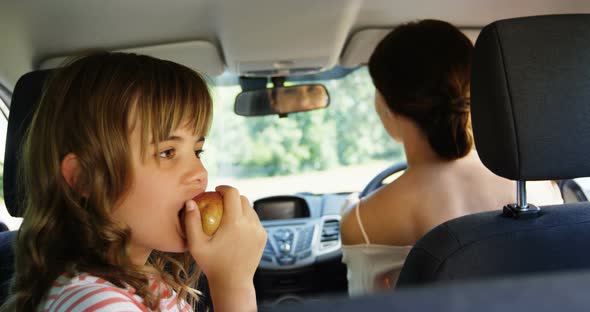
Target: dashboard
301,229
281,207
302,258
303,250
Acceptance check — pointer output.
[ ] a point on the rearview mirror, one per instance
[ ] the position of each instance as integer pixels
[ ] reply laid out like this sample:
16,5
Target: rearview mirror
282,100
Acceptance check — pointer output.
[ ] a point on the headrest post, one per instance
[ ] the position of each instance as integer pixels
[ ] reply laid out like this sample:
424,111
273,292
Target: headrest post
521,195
521,210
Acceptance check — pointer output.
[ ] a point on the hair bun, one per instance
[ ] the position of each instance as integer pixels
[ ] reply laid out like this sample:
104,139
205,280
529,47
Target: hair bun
460,105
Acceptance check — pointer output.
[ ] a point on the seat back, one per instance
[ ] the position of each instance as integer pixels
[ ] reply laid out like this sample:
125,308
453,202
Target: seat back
27,93
530,89
487,245
6,262
564,292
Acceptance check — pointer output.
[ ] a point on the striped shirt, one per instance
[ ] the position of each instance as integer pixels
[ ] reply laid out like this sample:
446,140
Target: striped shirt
85,292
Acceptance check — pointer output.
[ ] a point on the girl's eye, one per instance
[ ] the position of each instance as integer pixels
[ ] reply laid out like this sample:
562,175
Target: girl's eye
168,154
198,153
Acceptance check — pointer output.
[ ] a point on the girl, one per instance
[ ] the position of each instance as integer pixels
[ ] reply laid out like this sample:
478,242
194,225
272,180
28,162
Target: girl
111,159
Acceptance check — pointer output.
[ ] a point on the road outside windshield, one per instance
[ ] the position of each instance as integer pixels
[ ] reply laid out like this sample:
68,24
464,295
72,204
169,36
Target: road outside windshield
337,149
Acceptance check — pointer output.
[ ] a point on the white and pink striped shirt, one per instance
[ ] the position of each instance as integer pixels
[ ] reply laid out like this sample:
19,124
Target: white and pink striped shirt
85,292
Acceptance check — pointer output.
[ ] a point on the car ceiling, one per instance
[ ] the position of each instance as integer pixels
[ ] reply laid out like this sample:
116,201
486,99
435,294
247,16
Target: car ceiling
245,33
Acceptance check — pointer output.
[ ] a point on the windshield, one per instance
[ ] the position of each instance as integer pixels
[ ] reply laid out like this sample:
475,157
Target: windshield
332,150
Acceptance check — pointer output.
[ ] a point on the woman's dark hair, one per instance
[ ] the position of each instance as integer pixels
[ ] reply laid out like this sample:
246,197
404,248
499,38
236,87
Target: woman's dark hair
422,69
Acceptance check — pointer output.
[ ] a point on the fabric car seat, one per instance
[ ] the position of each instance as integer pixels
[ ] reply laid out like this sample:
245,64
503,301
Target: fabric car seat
563,292
25,97
530,95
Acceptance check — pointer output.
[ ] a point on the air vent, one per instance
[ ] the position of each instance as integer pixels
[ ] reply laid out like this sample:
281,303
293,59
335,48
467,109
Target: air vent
330,231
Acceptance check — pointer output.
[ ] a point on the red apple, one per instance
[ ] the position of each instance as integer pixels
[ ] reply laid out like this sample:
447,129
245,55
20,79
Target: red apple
211,206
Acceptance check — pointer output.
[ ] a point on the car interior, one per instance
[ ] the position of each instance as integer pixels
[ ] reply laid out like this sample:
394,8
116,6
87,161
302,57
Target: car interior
521,257
283,64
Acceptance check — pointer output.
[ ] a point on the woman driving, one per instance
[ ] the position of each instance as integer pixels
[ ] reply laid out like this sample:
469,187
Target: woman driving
421,73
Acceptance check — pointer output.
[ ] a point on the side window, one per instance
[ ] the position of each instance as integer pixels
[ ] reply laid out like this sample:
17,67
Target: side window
7,222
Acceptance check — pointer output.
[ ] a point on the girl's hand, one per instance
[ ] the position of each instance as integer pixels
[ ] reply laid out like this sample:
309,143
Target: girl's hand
230,257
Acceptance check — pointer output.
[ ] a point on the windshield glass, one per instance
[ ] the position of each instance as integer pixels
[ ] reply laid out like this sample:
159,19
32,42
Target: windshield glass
337,149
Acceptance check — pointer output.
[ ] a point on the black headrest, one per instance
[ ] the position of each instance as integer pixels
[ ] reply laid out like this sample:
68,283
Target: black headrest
25,98
530,95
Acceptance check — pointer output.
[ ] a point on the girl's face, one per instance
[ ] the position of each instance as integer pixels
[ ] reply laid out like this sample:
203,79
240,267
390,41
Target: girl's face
388,118
158,191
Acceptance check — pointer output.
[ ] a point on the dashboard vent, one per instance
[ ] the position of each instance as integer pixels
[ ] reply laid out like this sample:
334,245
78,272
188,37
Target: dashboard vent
330,231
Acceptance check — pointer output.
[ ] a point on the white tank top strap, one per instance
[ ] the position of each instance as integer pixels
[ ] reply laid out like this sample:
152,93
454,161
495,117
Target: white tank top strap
358,220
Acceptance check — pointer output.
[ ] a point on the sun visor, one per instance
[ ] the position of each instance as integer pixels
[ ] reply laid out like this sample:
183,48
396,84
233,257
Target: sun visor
361,45
201,56
359,48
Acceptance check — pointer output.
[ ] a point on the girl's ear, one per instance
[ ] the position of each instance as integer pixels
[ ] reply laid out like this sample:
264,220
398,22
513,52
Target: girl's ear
70,170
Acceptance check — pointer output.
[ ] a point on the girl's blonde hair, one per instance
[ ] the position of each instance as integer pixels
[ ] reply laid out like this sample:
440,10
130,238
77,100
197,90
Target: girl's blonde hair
85,110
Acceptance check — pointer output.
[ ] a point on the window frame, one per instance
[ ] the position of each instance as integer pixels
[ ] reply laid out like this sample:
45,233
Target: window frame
6,96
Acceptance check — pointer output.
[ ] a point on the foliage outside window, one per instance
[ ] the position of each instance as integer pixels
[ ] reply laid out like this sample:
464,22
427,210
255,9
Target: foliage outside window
347,133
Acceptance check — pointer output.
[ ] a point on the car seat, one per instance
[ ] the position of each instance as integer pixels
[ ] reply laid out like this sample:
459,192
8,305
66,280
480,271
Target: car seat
27,93
530,89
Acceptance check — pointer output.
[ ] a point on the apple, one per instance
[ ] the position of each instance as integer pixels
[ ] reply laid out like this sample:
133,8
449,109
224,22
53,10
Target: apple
211,206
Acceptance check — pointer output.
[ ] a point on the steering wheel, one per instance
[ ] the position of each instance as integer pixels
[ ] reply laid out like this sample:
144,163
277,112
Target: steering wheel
377,182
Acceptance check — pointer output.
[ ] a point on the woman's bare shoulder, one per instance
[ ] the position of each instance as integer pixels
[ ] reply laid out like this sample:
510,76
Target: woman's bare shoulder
384,214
